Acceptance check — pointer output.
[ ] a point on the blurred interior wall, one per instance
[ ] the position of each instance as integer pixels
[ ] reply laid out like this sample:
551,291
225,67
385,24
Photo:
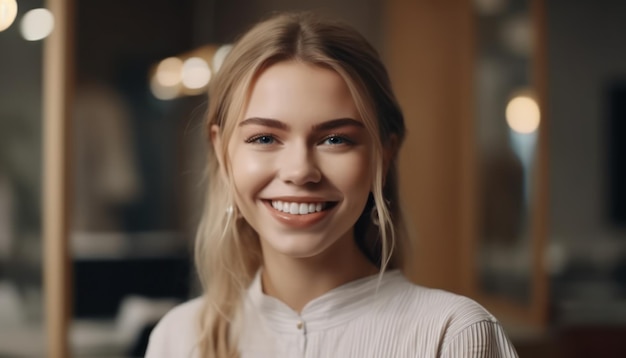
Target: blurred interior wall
235,16
586,54
428,49
587,63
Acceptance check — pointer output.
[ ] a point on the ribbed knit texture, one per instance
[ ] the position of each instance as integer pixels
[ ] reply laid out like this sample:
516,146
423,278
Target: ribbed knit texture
365,318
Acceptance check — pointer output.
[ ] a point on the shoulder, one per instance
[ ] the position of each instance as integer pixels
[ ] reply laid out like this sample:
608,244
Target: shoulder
176,334
456,323
182,317
451,310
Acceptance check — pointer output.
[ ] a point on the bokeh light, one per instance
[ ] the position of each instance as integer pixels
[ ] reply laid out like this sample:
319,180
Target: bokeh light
37,24
196,73
169,72
8,12
522,114
219,56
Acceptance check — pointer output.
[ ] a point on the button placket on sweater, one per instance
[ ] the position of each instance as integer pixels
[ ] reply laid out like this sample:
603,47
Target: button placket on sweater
302,335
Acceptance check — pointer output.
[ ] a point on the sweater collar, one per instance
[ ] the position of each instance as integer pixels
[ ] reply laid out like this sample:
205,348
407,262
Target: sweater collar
335,307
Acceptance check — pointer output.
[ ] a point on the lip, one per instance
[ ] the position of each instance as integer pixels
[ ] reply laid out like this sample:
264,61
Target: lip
295,220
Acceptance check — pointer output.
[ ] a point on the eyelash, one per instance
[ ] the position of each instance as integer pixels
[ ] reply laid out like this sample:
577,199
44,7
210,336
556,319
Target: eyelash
345,140
256,139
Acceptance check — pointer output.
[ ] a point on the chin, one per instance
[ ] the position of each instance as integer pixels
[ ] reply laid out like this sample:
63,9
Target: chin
296,246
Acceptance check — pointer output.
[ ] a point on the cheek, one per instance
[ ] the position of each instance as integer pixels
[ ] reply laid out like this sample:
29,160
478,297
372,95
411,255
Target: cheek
352,173
250,172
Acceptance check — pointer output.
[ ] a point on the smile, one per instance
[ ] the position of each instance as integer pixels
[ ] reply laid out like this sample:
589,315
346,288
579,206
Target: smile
300,214
298,208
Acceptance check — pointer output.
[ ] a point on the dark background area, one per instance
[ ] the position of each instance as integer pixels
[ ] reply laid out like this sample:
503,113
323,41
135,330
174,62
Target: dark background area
617,152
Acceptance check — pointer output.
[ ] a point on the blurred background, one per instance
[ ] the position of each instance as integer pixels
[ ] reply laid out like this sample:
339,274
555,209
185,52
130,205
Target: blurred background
513,172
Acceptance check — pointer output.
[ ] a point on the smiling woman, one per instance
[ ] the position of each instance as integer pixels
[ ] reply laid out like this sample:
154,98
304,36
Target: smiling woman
300,248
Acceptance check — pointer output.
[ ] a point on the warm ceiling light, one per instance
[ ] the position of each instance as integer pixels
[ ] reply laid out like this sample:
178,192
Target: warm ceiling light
8,12
196,73
37,24
169,72
522,114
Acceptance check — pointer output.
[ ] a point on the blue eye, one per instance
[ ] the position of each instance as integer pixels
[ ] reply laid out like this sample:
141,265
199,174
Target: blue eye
261,139
265,140
335,140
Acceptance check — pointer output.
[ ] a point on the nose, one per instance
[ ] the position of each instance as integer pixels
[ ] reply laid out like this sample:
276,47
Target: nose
299,166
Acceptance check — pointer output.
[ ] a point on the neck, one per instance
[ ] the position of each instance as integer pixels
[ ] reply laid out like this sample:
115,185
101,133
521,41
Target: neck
297,281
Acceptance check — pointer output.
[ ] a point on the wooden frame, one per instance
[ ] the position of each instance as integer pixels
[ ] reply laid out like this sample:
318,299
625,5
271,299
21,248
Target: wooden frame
534,315
430,52
57,90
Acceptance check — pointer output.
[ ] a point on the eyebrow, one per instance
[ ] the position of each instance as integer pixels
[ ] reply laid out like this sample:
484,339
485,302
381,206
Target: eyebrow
328,125
267,122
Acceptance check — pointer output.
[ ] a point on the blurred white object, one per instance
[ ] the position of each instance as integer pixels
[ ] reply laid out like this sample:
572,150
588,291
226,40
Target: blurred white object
137,312
11,311
37,24
115,337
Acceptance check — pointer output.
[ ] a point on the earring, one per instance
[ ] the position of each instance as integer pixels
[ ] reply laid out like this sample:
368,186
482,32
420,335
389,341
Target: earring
374,215
230,212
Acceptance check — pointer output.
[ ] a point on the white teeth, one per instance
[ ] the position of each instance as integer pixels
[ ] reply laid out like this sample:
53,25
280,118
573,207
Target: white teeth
297,208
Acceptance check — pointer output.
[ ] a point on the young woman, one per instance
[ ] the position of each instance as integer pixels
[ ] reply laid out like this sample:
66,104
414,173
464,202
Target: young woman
300,247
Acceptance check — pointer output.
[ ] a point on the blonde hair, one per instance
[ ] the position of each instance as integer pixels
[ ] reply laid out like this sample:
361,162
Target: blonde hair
228,252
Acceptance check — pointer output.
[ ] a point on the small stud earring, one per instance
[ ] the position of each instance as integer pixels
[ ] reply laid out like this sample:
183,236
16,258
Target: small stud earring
374,215
230,211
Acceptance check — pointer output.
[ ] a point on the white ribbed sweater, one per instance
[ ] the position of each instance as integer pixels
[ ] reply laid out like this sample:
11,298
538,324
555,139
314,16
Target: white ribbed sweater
364,318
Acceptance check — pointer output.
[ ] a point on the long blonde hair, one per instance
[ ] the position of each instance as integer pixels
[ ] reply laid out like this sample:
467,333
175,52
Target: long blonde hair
228,252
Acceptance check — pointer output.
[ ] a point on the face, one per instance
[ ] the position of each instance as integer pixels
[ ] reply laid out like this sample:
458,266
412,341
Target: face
300,160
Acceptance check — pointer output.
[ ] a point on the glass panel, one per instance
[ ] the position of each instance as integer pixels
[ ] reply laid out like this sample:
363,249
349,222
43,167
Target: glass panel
507,132
21,316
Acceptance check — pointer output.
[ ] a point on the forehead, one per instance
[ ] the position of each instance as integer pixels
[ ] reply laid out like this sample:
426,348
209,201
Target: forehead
293,89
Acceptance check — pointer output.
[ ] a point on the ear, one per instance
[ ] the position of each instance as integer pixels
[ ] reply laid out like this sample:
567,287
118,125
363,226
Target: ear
216,142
